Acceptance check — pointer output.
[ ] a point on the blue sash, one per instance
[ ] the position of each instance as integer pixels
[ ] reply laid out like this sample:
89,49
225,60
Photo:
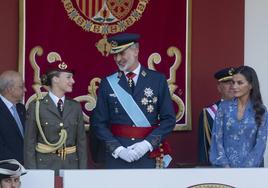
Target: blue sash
128,103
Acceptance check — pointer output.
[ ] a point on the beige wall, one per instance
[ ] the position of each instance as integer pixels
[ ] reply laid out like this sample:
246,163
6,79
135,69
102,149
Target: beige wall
256,42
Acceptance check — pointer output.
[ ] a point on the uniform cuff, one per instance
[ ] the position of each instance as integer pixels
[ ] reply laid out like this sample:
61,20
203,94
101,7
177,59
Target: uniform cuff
149,145
117,151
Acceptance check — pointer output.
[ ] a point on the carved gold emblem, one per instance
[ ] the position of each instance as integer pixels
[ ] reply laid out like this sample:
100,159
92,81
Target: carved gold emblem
104,46
89,99
155,58
107,17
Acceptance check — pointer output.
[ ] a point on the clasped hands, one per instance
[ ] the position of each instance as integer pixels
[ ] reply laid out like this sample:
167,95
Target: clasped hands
135,151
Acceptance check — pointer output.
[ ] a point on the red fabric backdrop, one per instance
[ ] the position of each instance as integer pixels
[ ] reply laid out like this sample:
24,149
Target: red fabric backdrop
161,25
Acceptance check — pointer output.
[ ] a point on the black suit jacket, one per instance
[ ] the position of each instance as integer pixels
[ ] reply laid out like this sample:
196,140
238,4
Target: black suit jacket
11,141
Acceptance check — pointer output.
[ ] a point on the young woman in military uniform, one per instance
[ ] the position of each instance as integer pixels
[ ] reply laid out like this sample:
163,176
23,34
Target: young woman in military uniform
55,134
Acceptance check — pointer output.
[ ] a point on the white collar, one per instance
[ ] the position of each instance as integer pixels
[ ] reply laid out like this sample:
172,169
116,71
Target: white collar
7,102
136,71
55,99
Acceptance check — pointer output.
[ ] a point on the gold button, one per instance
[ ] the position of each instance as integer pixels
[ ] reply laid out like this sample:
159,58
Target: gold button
132,138
61,124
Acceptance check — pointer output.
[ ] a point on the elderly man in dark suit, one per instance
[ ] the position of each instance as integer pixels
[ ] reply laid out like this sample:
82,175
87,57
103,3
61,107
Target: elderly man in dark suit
12,116
134,112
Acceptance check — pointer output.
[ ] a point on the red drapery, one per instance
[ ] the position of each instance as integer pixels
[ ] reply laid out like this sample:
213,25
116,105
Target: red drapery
70,29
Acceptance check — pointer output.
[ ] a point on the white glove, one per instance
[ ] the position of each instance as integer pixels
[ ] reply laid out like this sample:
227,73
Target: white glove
133,154
141,148
127,155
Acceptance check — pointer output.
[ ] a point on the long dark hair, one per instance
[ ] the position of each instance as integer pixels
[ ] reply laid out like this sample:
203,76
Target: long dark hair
255,94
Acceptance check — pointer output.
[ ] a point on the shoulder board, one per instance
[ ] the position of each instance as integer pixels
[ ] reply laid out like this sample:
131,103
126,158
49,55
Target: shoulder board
70,100
212,110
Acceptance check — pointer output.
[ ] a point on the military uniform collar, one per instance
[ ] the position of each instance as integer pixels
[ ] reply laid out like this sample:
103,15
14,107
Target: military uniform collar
55,99
143,71
139,70
136,71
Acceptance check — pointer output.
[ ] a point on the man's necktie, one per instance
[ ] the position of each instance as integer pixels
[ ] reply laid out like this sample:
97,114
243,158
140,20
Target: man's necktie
131,83
60,106
17,119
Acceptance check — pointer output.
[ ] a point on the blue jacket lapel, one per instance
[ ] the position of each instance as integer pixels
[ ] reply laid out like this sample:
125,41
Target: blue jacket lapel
6,111
10,117
123,82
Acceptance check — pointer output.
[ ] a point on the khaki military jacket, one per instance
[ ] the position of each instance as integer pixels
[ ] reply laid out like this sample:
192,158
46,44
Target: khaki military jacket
52,123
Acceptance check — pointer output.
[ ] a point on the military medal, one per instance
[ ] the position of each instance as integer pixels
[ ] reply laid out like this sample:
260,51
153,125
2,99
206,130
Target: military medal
150,108
149,99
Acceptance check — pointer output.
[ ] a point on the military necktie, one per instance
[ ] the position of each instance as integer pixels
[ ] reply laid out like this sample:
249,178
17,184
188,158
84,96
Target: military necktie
60,106
17,119
130,80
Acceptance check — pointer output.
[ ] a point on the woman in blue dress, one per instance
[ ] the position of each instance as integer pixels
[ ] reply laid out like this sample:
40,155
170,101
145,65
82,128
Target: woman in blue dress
240,128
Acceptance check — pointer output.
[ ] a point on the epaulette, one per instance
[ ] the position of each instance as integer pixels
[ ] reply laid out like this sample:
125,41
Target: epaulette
212,110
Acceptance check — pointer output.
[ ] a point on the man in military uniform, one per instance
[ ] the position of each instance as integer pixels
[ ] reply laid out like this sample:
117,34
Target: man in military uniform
134,112
206,118
10,172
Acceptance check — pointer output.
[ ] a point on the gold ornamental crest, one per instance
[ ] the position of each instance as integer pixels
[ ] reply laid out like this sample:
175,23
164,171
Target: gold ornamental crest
104,16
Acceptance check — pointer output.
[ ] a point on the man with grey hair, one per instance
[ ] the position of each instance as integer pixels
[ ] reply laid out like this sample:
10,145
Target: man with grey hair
10,172
134,112
12,116
225,88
